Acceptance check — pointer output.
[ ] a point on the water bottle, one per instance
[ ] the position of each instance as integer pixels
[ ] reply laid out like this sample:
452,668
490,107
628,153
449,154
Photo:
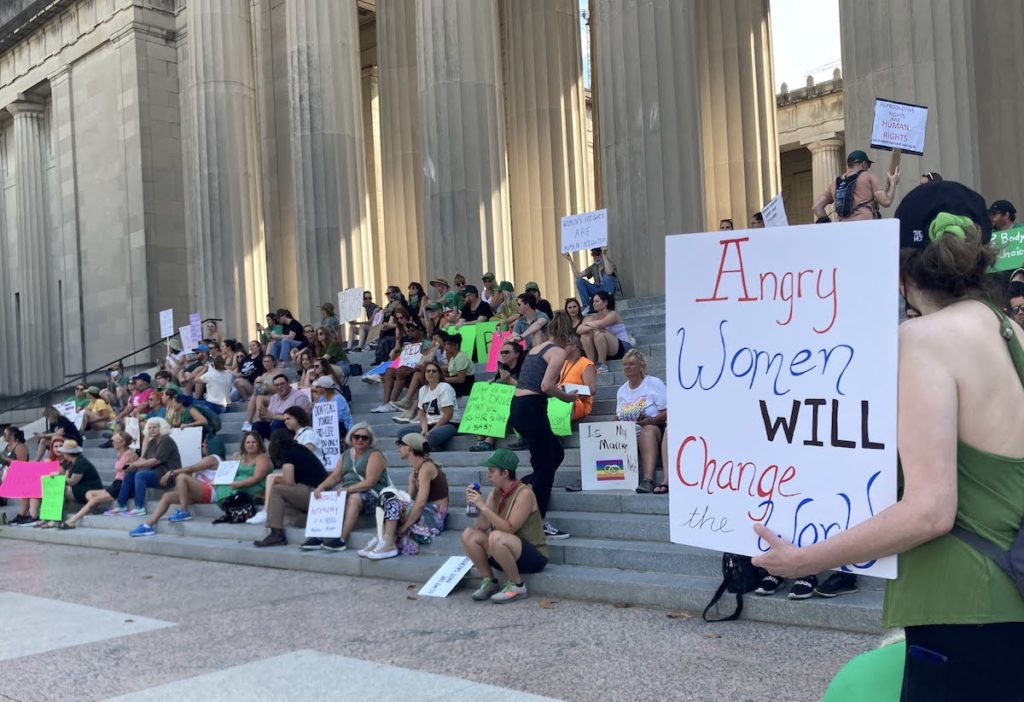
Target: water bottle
471,509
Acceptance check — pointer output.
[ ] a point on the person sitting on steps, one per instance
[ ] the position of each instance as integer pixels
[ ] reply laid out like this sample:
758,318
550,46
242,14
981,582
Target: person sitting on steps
301,472
602,271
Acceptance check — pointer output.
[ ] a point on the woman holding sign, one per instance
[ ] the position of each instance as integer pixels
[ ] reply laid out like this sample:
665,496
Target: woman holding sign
961,406
644,399
511,360
123,455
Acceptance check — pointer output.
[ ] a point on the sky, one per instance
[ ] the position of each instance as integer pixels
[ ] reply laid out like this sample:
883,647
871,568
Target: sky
805,35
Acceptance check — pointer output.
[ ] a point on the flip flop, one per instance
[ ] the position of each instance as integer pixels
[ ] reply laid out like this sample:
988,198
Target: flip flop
64,526
661,490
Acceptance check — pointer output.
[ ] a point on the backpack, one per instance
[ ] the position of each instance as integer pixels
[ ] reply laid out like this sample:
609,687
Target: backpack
237,508
844,194
213,422
1010,561
739,576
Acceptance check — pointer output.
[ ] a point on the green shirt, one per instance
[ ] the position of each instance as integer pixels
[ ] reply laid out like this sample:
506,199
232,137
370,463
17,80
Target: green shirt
460,362
90,477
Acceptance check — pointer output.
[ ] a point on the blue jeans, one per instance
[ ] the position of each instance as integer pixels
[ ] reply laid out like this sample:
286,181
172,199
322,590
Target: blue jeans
586,289
136,483
436,437
282,349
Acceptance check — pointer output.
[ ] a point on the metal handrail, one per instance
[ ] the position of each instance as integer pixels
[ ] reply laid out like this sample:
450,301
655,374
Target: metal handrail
75,378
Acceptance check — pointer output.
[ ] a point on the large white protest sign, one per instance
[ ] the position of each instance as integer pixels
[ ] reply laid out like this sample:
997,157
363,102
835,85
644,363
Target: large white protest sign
447,577
774,213
328,433
68,410
326,515
195,325
187,345
608,456
899,125
190,444
226,472
782,384
131,427
350,305
166,323
588,230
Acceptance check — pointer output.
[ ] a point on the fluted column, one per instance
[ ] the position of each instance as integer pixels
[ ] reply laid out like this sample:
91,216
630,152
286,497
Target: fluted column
827,163
232,266
921,53
462,126
8,269
547,166
402,167
37,366
741,151
332,229
649,102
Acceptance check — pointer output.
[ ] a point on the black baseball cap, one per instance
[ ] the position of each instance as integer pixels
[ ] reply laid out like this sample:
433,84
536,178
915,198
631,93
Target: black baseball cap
470,289
858,156
922,204
1003,206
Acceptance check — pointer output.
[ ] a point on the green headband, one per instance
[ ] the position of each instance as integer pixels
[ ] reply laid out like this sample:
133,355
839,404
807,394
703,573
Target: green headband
945,222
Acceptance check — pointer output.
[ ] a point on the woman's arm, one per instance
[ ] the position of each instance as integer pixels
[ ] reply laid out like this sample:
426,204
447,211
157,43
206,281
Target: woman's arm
332,479
198,419
428,471
206,463
590,378
572,262
532,329
657,420
592,322
446,416
259,473
374,469
287,476
459,377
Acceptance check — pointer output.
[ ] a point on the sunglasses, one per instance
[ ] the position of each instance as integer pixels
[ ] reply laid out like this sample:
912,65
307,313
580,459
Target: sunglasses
1016,309
360,437
505,353
431,370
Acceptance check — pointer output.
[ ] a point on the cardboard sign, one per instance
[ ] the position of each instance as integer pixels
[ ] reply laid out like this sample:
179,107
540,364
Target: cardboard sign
487,411
131,427
608,456
23,478
467,335
52,507
560,416
1010,243
782,349
325,424
411,356
498,340
447,577
899,125
588,230
226,472
68,410
484,337
166,323
350,305
326,515
774,213
195,326
190,444
187,343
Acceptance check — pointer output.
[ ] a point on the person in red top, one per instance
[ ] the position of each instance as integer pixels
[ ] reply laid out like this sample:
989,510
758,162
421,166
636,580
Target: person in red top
868,193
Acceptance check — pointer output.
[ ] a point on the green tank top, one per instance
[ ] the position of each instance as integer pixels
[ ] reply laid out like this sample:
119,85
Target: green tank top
244,473
945,581
353,472
532,530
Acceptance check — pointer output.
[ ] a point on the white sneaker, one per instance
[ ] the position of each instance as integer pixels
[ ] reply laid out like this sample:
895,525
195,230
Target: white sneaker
383,409
364,552
378,554
259,518
247,426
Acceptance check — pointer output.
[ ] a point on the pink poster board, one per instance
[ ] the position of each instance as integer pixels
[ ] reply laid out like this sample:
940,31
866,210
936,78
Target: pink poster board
23,478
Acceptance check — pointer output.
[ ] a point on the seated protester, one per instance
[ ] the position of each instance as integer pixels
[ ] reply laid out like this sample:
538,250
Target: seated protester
508,534
253,474
601,271
439,287
163,380
233,356
80,398
296,421
123,455
273,327
290,337
475,309
192,484
531,324
324,390
301,473
578,370
460,282
358,330
159,457
454,299
156,406
329,322
362,471
15,449
263,389
511,360
402,323
504,304
644,399
408,525
603,333
326,368
271,418
195,369
574,310
325,345
117,390
309,336
307,370
81,476
249,368
459,372
542,304
490,287
98,414
433,314
182,413
432,351
57,427
396,378
450,319
418,300
215,385
438,411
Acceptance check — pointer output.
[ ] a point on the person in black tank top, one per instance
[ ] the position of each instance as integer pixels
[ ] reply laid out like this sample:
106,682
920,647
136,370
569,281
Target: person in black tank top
538,380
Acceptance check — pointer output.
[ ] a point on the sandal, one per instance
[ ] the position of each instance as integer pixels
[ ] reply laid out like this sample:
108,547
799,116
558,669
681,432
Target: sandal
646,486
64,526
661,489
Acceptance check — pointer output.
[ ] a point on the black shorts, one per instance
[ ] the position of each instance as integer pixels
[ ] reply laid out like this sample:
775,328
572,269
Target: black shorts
114,489
624,346
530,559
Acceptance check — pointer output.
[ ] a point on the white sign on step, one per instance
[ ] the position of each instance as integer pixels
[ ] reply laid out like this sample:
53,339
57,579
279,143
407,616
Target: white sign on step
226,472
899,125
608,456
447,577
350,305
326,515
782,352
166,323
588,230
774,213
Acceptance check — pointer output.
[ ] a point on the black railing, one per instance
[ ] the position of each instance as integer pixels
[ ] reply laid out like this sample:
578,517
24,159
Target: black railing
72,379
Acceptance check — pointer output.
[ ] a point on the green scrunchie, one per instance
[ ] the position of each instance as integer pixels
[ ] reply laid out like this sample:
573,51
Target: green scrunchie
954,224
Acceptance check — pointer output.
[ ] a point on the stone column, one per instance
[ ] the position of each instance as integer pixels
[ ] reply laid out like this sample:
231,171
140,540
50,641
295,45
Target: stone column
649,102
741,151
462,125
546,111
827,163
37,367
232,265
921,53
328,160
8,268
401,156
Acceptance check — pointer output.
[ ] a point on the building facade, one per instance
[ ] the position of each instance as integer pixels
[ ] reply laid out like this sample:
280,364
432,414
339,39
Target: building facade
230,156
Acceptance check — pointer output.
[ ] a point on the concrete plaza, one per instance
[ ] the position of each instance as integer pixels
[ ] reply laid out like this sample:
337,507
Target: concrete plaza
87,624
